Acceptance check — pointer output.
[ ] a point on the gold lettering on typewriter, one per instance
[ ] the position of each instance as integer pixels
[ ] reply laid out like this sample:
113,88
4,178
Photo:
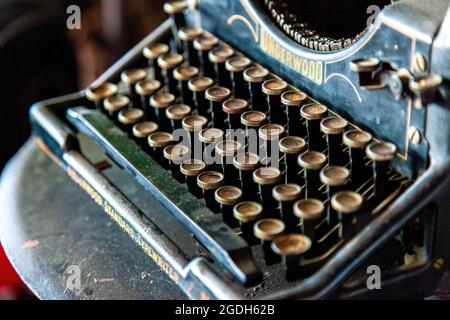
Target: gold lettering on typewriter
313,70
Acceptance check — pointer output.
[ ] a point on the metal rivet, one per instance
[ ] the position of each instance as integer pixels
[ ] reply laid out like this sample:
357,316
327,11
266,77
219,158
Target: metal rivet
439,263
420,63
414,135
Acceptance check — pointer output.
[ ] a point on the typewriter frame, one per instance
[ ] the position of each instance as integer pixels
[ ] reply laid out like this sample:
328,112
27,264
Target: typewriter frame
199,280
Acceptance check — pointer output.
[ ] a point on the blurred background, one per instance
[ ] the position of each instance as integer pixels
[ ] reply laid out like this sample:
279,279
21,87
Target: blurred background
41,58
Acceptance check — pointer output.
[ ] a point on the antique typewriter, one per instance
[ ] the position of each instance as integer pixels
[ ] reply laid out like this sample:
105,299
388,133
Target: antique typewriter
303,149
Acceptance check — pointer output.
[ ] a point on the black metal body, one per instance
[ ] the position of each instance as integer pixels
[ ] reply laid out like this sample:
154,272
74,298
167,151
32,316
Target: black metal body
427,197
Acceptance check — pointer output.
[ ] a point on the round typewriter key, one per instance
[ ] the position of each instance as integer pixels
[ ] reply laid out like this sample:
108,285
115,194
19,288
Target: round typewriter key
335,179
216,96
141,131
184,74
268,230
209,182
287,195
160,102
187,36
176,155
255,78
98,94
314,113
168,62
227,150
292,148
191,170
291,248
130,78
381,153
267,179
334,129
199,86
194,125
234,108
248,213
152,52
204,44
128,118
270,136
348,205
114,105
253,121
357,141
175,9
176,113
146,89
228,197
218,56
294,101
312,162
247,163
310,212
210,138
236,67
274,89
157,142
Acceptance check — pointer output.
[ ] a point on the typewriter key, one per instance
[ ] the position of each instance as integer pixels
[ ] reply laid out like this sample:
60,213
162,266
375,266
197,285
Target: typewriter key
218,56
227,150
234,108
248,213
128,118
210,138
209,182
157,142
184,74
204,44
160,102
334,128
310,212
291,248
146,89
335,179
217,96
228,197
270,136
141,131
152,52
97,95
274,89
381,153
253,121
294,101
130,78
348,205
292,148
236,67
255,78
267,179
314,113
187,36
168,62
194,125
176,155
191,170
357,141
312,162
247,163
176,8
267,230
114,105
287,195
176,113
199,86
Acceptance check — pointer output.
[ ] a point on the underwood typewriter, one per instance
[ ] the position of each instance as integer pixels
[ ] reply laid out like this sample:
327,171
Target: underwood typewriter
303,149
